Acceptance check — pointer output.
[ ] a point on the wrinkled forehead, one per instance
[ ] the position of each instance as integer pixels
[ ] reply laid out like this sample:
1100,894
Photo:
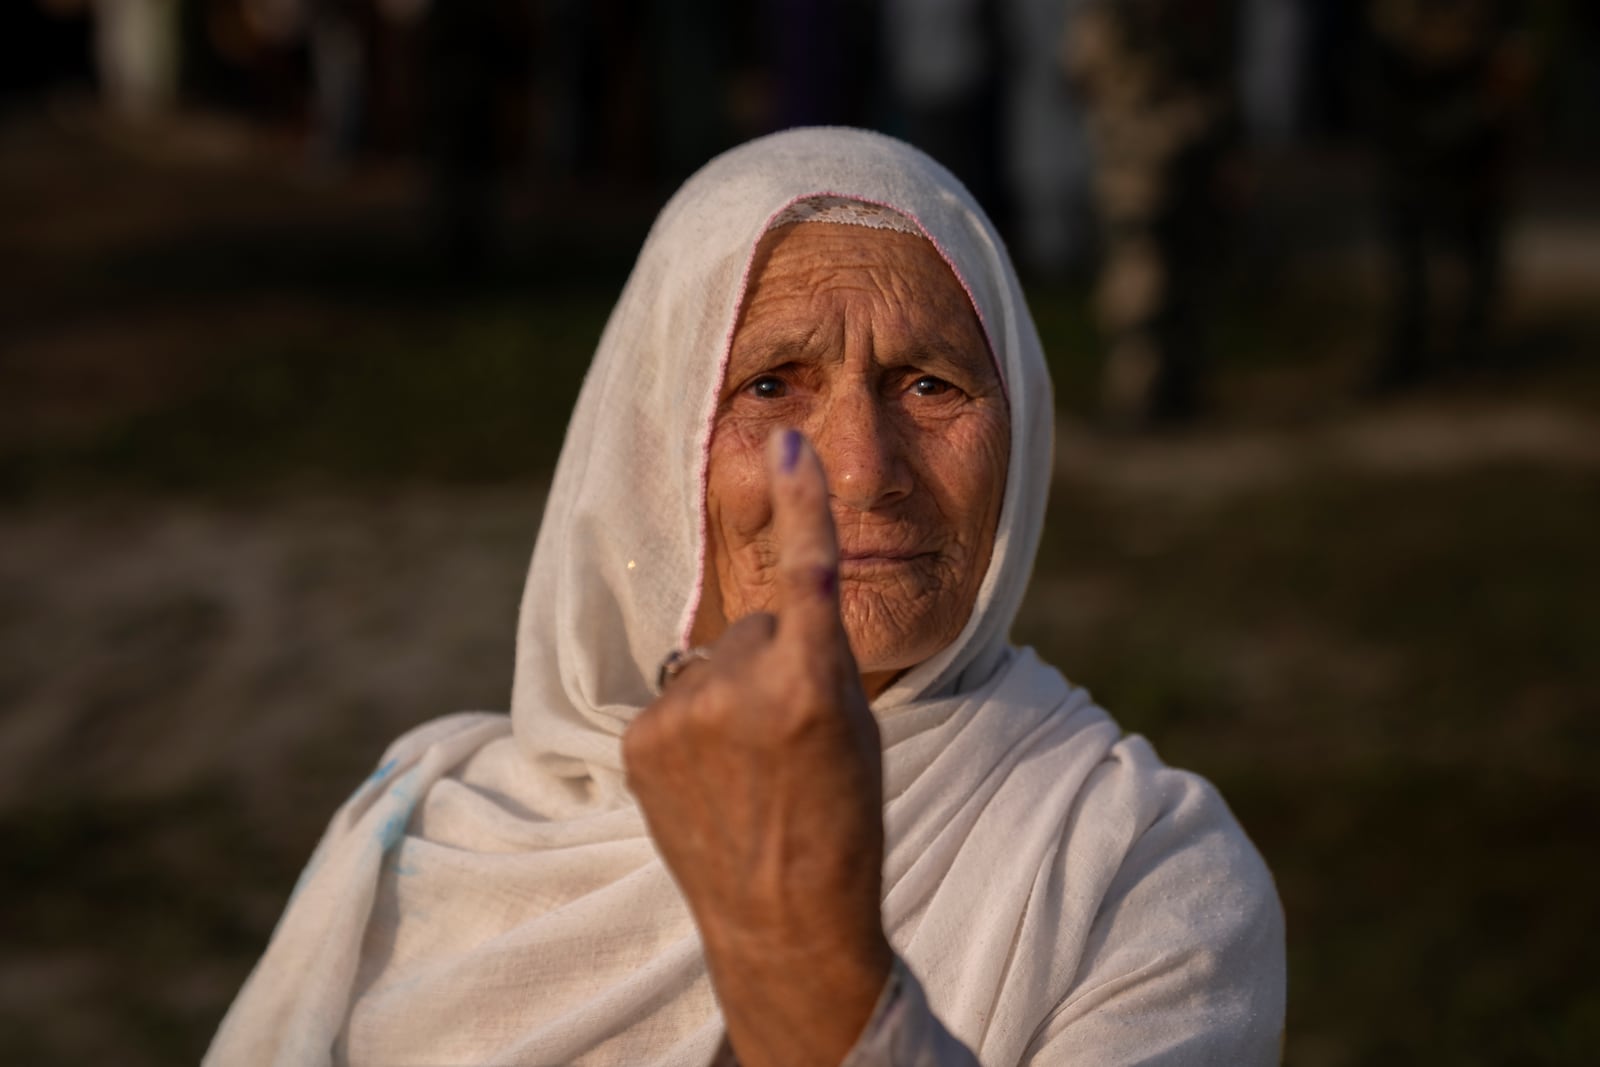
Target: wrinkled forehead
867,216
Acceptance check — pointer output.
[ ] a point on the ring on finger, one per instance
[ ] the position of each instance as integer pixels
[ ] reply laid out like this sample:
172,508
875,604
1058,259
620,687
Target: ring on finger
677,661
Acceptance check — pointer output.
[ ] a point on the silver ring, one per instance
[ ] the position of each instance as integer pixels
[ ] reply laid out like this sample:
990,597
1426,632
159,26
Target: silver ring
677,661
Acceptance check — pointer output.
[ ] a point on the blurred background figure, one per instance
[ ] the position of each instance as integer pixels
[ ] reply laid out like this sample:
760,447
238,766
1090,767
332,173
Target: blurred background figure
684,51
1272,52
1047,162
588,88
473,52
1451,77
333,35
978,85
136,55
942,67
338,47
1156,77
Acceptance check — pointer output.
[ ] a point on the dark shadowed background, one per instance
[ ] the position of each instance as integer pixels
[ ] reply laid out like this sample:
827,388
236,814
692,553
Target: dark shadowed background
295,299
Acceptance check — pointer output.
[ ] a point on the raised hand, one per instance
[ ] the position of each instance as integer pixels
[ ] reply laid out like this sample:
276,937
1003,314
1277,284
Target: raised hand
759,772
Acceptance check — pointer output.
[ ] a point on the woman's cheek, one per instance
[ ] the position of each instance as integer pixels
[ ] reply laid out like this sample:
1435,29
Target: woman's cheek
740,511
974,454
987,443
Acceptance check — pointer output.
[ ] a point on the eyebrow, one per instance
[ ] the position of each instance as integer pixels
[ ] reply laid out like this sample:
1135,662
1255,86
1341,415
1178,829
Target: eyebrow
944,350
775,338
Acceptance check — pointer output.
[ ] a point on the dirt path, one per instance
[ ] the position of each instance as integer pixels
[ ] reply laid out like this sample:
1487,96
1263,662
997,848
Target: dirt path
148,646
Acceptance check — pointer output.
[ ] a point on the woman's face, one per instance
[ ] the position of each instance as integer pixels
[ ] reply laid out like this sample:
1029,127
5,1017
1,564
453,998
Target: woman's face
865,341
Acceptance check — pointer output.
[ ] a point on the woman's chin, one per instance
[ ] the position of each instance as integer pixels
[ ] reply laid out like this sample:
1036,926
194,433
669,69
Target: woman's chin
887,651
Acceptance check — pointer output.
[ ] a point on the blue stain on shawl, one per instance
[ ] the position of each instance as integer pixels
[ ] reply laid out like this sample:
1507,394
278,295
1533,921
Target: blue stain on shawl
375,779
393,829
389,832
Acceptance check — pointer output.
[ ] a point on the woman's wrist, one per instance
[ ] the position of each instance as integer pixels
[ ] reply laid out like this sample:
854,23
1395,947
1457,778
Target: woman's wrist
787,1002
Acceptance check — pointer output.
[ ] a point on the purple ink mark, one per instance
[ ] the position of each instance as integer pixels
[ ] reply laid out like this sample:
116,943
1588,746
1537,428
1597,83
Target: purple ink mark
827,581
791,450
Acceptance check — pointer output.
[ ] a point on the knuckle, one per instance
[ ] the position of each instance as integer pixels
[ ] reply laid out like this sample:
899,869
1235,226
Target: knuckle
708,712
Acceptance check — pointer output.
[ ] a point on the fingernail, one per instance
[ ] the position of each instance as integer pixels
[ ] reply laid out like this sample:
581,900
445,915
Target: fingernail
791,450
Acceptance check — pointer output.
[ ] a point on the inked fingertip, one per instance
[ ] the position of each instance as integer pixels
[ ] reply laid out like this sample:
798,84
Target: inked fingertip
790,450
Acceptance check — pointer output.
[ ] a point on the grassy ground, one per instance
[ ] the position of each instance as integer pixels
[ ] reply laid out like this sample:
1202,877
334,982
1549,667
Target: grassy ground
269,483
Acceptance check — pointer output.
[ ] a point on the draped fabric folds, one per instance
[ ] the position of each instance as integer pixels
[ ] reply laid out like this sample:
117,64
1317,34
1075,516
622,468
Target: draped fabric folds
490,896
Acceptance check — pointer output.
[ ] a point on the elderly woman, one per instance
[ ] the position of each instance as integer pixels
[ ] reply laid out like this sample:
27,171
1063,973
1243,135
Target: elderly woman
846,821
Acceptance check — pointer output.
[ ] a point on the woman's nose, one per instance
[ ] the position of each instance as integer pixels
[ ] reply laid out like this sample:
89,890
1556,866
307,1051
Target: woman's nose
862,451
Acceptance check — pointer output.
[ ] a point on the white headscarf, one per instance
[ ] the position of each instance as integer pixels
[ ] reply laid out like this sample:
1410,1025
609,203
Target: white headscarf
490,895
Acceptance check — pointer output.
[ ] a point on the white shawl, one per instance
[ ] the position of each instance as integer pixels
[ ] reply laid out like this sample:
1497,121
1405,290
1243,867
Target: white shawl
490,896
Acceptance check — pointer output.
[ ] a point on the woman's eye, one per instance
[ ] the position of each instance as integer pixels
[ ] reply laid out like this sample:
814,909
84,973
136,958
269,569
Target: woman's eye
768,387
928,385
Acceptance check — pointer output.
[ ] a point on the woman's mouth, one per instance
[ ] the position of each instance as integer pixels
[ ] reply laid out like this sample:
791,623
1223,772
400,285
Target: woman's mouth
868,561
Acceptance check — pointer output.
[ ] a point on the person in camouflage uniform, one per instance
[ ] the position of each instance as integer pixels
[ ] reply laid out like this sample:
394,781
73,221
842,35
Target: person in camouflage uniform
1449,78
1156,80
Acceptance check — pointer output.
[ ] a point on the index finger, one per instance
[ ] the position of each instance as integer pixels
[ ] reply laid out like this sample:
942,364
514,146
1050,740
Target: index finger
808,548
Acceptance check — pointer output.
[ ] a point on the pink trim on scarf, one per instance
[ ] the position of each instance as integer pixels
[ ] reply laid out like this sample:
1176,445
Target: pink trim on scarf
686,626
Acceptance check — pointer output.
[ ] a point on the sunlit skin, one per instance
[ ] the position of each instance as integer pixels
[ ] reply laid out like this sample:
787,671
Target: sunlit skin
833,565
864,340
